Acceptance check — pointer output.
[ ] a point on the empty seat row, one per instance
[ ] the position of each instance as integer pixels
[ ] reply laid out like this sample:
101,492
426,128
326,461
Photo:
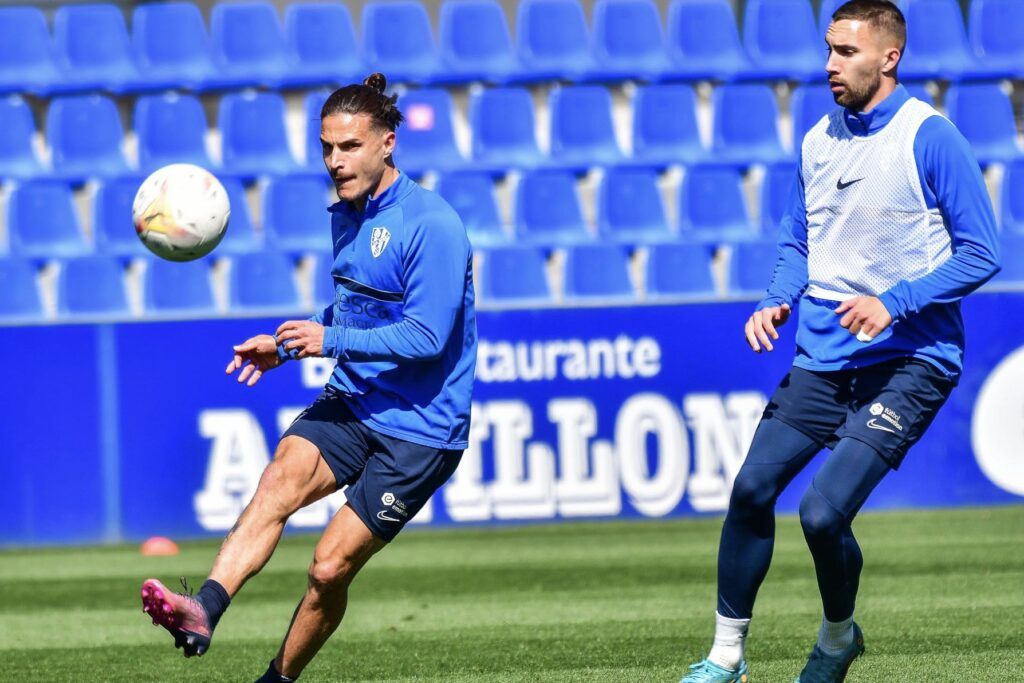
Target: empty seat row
42,223
254,140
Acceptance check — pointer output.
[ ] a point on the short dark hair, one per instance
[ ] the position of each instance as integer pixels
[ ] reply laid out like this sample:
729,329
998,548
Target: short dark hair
881,14
366,98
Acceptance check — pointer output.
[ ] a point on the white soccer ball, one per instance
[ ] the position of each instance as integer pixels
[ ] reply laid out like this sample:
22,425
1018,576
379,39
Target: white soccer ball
181,212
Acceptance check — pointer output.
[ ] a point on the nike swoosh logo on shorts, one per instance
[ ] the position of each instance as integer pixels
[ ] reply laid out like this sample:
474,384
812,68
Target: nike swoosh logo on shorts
383,516
840,185
874,425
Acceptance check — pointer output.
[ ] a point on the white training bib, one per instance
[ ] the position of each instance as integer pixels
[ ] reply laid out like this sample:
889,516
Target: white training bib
868,226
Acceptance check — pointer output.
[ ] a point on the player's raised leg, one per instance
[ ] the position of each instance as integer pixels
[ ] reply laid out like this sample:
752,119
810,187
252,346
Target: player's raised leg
838,490
345,547
296,477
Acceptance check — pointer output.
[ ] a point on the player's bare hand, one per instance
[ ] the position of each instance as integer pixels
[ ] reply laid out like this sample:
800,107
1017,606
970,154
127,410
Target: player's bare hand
253,357
760,329
864,316
304,335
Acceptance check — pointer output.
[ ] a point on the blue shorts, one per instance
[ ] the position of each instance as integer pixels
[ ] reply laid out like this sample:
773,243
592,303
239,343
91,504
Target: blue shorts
388,479
887,406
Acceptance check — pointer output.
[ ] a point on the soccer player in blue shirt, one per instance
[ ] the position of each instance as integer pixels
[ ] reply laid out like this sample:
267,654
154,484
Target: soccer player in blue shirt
393,420
889,226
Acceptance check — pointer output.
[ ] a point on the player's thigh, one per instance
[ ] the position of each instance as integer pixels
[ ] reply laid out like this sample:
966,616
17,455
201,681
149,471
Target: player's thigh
894,404
399,479
812,403
850,473
298,473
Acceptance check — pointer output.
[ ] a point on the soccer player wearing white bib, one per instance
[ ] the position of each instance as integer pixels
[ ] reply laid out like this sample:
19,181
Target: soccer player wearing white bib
888,227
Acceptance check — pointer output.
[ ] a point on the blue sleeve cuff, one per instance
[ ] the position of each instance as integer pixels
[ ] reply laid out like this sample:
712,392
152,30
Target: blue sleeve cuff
285,355
771,301
332,343
891,304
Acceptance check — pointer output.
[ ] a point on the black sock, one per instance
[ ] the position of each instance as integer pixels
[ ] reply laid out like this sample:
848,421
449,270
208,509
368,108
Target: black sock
274,676
214,599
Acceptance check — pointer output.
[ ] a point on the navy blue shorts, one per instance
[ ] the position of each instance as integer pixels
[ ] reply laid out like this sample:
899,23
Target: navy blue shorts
388,479
887,406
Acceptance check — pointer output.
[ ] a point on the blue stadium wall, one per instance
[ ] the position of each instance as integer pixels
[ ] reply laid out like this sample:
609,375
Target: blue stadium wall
125,430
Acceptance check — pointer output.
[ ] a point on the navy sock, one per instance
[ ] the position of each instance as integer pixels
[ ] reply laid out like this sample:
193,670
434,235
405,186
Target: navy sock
274,676
214,599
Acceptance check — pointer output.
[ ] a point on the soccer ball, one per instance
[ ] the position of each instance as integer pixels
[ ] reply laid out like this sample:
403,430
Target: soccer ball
181,212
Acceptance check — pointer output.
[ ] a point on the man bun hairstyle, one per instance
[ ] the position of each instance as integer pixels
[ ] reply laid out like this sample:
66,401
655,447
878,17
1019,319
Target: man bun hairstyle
366,98
883,15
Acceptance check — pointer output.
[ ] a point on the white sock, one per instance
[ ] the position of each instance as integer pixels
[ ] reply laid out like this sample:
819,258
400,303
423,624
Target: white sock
835,636
727,650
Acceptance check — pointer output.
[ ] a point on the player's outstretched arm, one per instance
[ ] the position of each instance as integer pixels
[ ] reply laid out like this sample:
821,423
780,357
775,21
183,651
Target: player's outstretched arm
761,326
253,357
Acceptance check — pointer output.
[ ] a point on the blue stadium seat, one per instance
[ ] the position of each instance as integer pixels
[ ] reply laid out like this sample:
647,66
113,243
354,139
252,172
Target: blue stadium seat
502,121
262,279
751,266
17,158
240,236
397,41
776,188
178,287
112,217
1012,197
746,128
427,138
665,126
253,134
171,128
312,104
21,295
186,61
628,41
85,134
295,216
41,221
324,291
471,194
680,269
552,39
93,46
825,12
597,271
26,52
711,205
996,33
782,40
629,207
704,42
92,286
548,210
808,104
322,46
919,91
514,274
476,44
984,115
582,132
248,42
936,42
1012,254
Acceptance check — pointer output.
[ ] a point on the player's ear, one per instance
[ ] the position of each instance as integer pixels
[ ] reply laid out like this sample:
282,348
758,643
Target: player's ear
892,59
389,143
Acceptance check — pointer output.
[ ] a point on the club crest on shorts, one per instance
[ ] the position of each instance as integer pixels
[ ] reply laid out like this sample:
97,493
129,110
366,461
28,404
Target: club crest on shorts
379,239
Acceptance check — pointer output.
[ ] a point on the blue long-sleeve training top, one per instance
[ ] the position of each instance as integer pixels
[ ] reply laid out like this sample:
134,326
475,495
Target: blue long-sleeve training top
958,253
403,323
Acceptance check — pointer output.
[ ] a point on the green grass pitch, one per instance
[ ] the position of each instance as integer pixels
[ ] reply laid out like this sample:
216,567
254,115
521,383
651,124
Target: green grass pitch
941,599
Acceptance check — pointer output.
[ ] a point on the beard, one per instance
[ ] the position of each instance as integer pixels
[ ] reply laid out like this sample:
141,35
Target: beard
857,96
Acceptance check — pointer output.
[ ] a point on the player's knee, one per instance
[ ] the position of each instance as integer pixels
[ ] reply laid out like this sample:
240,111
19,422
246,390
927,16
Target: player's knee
328,576
751,493
817,516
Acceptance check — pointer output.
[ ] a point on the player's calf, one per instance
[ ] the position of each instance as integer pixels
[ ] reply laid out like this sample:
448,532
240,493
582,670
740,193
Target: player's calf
189,619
